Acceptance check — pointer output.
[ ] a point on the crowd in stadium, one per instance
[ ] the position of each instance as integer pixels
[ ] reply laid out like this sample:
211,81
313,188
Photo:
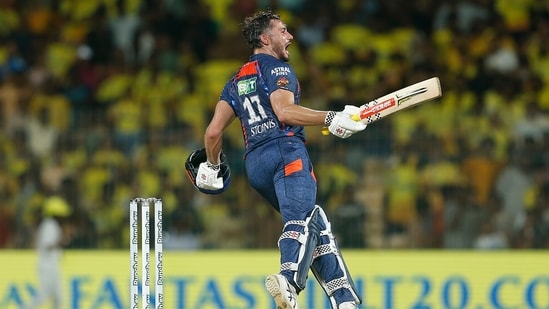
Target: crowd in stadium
102,101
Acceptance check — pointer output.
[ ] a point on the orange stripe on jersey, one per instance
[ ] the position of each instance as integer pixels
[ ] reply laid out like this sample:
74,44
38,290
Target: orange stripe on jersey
249,68
293,167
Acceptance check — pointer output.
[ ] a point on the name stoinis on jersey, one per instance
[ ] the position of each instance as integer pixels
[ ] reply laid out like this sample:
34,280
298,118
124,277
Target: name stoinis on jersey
262,128
281,71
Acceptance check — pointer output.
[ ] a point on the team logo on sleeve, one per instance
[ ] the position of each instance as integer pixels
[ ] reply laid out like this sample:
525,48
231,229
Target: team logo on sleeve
282,82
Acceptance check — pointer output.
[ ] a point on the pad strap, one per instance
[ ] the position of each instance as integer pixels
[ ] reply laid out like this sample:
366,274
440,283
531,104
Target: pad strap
294,222
336,284
319,251
293,235
323,250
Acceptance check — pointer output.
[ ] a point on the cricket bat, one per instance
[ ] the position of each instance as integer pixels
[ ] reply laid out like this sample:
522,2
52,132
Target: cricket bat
396,101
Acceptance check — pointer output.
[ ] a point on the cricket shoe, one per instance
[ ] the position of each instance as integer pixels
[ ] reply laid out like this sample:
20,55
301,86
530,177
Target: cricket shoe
347,305
284,294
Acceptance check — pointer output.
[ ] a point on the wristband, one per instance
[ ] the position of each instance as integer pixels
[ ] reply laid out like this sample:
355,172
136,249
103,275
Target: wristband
329,118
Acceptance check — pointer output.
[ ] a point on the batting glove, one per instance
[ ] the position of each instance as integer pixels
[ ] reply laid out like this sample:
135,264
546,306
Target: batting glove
351,110
341,124
207,176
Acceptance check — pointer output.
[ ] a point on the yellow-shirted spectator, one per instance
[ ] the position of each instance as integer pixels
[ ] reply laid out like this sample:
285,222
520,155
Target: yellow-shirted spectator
402,189
91,182
539,60
60,56
75,158
108,155
169,201
82,10
455,58
108,218
74,32
9,20
442,39
57,104
501,134
149,182
516,13
141,82
481,169
219,9
126,116
509,107
8,184
543,98
191,110
157,112
148,178
114,87
18,164
211,76
169,161
108,221
474,129
350,36
455,104
479,44
171,85
334,177
440,171
438,118
327,53
403,124
163,90
388,44
223,230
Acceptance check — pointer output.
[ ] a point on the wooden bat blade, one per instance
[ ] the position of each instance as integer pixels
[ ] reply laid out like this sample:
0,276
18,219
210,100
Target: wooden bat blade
401,99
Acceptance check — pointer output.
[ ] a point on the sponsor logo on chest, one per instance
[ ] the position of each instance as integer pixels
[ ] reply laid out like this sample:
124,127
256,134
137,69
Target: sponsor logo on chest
247,86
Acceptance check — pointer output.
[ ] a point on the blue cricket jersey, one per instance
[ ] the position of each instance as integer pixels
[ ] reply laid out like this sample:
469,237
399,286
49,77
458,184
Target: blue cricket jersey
248,92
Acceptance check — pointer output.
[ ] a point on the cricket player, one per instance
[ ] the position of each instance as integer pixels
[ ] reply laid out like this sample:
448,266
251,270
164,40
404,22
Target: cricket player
49,243
264,95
